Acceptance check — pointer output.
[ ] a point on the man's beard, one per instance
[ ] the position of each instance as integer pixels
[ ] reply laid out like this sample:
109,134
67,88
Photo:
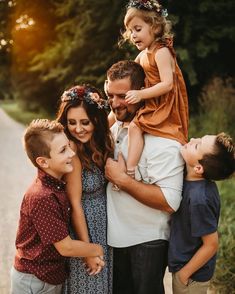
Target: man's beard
127,117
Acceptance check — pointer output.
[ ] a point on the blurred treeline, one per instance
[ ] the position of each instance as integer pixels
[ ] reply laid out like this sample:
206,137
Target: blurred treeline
49,45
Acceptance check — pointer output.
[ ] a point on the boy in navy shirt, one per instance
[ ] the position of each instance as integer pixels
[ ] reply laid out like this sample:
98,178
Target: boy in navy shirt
194,238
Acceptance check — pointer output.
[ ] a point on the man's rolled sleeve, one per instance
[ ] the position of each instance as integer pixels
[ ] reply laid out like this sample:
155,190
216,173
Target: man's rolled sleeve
164,167
173,197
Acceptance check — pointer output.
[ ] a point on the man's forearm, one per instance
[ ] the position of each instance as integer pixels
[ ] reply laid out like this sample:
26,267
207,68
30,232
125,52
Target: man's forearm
148,194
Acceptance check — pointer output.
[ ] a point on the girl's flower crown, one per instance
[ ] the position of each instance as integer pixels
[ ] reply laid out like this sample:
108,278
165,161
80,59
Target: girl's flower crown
149,5
82,93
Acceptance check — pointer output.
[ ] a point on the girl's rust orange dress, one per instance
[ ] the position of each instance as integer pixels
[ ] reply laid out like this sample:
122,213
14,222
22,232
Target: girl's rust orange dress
167,115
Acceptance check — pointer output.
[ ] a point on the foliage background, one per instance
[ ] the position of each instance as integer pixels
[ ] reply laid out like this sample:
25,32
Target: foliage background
73,41
47,46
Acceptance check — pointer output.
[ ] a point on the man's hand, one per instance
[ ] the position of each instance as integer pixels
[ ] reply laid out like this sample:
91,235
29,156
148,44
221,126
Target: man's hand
148,194
133,96
94,265
114,170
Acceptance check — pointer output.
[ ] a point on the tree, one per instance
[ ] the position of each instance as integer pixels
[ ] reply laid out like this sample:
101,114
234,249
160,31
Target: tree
5,48
32,28
86,43
78,42
204,40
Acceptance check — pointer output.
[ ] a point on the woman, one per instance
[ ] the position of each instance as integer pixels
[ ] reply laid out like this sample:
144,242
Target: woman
83,114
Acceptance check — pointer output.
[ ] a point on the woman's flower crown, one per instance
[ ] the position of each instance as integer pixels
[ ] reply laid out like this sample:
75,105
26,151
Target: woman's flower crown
149,5
82,93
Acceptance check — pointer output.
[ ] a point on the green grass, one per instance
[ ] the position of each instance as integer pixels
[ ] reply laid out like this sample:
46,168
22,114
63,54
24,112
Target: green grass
14,110
227,189
224,277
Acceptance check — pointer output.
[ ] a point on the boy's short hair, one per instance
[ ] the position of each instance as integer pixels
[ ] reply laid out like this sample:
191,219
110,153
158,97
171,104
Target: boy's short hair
38,136
220,164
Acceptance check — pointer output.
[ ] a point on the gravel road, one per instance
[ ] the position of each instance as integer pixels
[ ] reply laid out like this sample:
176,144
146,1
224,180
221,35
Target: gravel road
16,173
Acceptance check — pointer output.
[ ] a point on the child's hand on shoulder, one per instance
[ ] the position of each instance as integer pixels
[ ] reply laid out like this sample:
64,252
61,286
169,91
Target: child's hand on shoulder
133,96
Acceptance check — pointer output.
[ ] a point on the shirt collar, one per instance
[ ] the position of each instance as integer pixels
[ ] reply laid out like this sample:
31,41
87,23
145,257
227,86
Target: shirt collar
51,182
122,125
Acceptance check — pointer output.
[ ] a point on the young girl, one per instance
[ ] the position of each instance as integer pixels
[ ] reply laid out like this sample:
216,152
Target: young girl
165,112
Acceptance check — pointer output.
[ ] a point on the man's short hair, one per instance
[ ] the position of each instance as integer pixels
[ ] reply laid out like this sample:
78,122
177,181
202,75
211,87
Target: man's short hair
127,68
38,136
219,164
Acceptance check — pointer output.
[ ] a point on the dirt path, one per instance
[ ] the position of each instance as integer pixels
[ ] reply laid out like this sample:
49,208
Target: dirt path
16,173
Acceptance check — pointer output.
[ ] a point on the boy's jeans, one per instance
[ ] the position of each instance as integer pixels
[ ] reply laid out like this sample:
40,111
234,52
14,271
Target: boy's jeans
193,287
22,283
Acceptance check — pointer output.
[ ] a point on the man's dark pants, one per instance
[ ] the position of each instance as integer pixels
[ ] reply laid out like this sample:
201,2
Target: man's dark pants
140,269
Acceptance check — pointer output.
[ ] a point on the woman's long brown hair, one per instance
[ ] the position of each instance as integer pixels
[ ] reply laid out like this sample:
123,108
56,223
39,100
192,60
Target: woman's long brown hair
100,146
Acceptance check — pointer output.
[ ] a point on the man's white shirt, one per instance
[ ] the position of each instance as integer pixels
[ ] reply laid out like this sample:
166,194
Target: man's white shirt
129,221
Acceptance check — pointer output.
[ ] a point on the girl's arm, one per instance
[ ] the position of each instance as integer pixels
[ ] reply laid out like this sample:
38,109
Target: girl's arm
165,65
202,255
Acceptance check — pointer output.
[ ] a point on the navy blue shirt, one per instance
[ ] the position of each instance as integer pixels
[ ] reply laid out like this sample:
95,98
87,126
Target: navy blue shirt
197,216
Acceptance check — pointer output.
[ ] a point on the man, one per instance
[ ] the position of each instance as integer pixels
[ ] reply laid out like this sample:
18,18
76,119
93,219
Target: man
139,213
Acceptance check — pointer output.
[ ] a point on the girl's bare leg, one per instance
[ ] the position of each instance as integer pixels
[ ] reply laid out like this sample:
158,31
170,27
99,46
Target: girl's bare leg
135,148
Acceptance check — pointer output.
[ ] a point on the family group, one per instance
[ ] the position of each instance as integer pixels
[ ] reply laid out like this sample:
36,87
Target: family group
120,192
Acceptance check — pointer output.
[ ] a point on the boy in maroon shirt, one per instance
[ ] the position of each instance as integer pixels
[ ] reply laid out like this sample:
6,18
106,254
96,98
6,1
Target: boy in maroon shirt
43,240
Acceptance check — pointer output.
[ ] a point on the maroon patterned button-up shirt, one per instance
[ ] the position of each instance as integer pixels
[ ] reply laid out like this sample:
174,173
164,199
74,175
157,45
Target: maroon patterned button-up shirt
44,219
